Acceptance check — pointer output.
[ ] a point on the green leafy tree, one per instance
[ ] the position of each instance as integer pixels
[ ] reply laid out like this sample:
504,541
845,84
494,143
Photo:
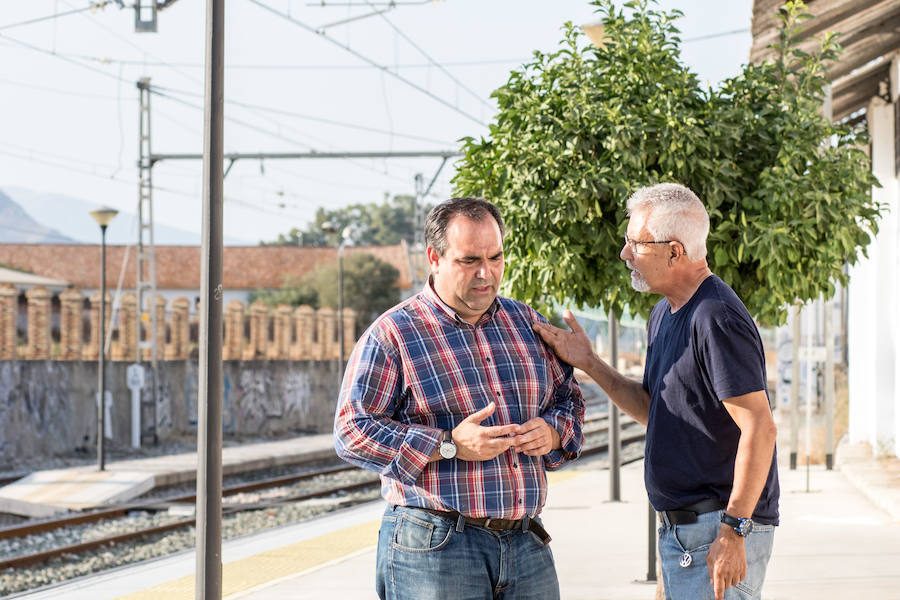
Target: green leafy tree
384,224
369,288
579,129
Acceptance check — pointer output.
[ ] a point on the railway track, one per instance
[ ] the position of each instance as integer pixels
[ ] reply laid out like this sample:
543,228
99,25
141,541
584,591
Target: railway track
595,429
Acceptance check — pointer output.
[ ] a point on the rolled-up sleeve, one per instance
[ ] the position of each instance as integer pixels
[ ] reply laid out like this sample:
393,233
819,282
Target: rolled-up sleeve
365,432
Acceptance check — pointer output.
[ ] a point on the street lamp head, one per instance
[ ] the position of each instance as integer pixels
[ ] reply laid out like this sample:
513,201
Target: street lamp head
104,215
597,33
329,227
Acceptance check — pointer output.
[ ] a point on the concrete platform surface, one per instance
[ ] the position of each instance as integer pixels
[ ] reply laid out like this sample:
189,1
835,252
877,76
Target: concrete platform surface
45,493
833,543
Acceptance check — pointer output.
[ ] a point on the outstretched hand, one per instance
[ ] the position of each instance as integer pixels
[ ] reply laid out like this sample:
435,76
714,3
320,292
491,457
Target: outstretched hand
474,441
574,347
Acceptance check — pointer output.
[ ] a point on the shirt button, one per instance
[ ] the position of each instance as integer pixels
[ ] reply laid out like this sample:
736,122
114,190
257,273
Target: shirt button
488,359
520,501
498,394
515,465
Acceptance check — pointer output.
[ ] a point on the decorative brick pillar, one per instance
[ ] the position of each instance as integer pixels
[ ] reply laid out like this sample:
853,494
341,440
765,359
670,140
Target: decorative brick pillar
281,342
71,302
305,324
127,347
92,350
38,323
327,328
349,331
233,347
9,312
178,324
159,305
259,331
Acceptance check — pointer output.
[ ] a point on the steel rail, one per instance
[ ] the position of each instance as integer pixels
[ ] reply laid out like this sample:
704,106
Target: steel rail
120,511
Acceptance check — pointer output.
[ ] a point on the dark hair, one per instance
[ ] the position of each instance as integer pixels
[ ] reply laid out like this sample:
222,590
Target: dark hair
439,217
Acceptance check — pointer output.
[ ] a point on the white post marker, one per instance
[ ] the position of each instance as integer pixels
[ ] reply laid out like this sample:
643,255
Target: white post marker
135,376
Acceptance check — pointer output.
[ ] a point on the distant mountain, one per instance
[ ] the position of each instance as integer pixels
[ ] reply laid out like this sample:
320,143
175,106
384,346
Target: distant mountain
18,227
71,216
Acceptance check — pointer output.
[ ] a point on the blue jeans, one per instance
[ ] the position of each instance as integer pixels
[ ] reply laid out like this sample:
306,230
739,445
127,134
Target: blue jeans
691,582
421,556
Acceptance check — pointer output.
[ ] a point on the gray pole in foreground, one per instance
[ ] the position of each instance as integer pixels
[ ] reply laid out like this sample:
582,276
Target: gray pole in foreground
651,543
208,581
614,460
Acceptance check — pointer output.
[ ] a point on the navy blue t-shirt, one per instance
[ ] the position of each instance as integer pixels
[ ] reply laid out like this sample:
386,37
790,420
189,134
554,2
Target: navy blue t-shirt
707,351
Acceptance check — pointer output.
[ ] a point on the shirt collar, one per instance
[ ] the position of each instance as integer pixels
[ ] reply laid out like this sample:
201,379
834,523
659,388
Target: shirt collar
432,296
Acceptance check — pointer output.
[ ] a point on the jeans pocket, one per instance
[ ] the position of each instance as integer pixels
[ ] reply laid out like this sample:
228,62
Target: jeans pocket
694,538
758,549
419,536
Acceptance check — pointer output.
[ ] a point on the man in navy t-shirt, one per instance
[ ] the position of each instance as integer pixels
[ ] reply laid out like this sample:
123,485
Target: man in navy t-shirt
710,467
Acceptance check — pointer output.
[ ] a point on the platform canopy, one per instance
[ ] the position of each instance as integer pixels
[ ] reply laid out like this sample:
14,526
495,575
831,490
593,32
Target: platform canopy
870,36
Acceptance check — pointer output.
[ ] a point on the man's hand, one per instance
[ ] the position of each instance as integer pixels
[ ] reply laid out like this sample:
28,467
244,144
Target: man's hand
573,347
536,438
476,442
726,560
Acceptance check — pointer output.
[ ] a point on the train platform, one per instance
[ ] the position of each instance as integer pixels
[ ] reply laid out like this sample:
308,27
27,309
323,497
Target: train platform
839,537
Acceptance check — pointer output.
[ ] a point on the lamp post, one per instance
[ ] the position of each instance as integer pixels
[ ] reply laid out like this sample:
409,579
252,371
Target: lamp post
103,216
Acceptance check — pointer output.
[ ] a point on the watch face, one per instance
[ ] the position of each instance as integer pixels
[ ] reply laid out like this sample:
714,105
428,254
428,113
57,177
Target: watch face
447,449
744,528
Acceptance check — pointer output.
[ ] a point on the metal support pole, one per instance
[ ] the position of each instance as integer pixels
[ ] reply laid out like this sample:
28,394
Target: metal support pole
828,328
614,446
810,327
101,368
795,382
651,543
145,286
208,580
418,248
340,323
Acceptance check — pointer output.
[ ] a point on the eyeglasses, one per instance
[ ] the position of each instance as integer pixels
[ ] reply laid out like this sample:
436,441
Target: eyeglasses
633,244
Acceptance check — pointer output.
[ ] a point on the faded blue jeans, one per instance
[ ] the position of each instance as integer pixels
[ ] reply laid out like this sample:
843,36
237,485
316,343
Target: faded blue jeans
421,556
691,582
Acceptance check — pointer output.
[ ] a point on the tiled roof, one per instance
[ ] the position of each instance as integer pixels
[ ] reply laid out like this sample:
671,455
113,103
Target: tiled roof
178,267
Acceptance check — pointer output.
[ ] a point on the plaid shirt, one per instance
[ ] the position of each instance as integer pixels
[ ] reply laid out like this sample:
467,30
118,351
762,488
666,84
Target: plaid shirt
420,369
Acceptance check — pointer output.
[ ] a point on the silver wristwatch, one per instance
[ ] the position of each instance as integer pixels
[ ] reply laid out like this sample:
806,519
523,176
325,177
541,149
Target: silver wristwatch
447,449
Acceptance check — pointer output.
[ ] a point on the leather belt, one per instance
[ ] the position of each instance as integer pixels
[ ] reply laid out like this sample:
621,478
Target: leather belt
688,514
525,523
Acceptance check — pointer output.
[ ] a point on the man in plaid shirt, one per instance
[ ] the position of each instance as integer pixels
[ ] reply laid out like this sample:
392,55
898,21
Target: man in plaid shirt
452,398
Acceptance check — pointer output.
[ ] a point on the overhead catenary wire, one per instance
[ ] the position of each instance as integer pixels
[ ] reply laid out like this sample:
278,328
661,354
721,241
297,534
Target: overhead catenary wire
92,7
65,92
368,60
275,134
430,59
122,38
63,57
305,117
287,67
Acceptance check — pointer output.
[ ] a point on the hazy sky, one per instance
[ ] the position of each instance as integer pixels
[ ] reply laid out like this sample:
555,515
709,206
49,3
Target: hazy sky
69,105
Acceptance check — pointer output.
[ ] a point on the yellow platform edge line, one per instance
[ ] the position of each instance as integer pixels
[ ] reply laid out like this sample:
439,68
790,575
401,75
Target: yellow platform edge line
253,571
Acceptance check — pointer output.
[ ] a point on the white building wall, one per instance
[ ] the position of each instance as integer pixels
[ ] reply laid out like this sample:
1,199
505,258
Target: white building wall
874,305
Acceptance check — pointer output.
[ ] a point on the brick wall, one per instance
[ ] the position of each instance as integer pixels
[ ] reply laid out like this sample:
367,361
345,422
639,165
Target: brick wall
280,334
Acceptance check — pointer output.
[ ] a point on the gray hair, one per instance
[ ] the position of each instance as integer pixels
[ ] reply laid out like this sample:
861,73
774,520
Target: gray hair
675,213
476,209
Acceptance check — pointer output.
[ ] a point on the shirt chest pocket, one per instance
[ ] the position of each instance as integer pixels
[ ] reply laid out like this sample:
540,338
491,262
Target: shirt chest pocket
525,380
